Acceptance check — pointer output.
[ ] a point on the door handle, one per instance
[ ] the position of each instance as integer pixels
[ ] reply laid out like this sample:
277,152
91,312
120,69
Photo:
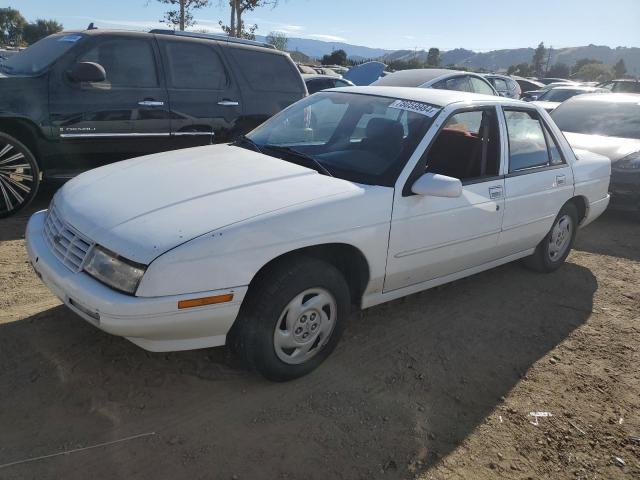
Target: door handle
561,180
150,103
228,103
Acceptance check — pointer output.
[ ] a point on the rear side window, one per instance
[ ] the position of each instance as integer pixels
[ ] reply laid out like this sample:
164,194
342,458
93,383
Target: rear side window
500,84
530,143
480,86
194,66
456,83
267,72
128,62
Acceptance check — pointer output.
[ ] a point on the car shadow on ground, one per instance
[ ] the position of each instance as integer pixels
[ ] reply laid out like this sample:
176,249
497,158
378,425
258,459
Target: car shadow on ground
408,383
615,233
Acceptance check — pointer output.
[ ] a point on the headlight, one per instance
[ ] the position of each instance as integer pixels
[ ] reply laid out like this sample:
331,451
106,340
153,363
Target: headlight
113,270
630,162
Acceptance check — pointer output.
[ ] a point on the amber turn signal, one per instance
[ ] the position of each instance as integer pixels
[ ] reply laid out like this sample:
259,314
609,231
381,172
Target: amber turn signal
200,302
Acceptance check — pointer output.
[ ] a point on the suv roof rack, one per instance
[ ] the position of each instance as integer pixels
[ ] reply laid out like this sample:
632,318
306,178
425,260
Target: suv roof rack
211,36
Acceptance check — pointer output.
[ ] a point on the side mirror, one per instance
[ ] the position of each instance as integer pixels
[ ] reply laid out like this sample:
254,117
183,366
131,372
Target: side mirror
87,72
436,185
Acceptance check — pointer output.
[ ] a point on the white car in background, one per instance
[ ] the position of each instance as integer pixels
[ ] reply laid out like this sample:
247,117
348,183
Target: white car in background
347,199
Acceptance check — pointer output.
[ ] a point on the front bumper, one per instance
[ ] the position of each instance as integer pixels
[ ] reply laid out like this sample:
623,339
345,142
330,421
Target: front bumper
625,189
153,323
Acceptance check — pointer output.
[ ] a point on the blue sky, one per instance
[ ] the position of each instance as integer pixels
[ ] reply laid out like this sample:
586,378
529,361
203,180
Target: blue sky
393,24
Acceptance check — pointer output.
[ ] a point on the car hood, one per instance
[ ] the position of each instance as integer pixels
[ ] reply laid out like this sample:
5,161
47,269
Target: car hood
615,148
143,207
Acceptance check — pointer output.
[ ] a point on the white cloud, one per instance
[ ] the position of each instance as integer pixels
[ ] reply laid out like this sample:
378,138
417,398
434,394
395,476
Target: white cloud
326,38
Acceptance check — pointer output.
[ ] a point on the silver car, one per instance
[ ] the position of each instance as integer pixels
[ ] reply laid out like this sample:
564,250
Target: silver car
439,78
505,86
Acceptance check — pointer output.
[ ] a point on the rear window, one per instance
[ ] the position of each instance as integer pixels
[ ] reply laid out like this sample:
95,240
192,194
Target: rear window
611,119
267,72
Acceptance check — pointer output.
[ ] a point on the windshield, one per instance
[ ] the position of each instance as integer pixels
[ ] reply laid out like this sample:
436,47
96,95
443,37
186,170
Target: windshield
39,55
362,138
557,95
611,119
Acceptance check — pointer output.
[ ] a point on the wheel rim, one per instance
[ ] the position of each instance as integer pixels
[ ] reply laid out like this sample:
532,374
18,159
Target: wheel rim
16,178
560,237
305,326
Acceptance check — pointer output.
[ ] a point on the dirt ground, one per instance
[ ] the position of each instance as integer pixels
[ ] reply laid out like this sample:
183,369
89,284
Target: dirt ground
439,385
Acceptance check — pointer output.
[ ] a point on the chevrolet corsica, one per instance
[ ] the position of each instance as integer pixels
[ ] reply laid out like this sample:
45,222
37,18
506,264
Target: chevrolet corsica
347,199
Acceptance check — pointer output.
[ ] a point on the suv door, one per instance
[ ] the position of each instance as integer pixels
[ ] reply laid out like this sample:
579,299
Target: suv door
205,99
538,181
118,118
433,237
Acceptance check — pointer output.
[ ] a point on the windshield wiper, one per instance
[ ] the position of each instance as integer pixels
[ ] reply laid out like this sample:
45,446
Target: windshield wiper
303,156
246,140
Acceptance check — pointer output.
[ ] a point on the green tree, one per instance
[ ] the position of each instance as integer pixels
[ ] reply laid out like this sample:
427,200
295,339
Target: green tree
33,32
592,72
181,13
538,60
560,70
12,24
582,62
620,69
433,57
278,40
337,57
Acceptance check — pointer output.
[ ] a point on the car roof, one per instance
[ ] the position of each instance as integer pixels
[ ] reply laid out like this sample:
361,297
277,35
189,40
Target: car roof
418,76
440,98
609,98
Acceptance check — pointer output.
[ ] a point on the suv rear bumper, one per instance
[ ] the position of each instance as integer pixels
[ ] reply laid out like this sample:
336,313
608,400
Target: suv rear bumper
153,323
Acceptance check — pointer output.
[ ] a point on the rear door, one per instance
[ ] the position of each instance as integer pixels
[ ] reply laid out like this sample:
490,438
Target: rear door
124,116
538,183
205,99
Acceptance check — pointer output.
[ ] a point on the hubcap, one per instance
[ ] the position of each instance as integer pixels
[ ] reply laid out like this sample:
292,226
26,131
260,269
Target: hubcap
305,326
16,178
560,237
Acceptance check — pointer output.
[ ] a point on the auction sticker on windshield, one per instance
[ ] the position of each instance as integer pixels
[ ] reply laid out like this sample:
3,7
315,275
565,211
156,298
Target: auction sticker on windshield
70,38
416,107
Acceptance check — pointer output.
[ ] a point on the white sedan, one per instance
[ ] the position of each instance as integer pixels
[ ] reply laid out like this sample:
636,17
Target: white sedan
347,199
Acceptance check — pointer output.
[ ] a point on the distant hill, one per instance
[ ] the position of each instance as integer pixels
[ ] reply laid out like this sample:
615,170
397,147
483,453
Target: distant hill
493,60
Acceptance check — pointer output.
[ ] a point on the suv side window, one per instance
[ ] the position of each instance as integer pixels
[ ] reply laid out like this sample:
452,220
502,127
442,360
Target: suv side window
456,83
467,146
531,145
267,72
194,66
480,86
500,84
128,62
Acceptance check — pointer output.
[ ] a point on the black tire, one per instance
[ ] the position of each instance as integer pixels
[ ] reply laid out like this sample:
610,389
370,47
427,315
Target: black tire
19,176
542,260
264,311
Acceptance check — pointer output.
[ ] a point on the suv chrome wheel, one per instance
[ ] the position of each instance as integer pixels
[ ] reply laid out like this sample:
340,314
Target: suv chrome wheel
19,176
305,326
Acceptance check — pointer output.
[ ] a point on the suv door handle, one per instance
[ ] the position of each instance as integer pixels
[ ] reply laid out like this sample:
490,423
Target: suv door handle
228,103
150,103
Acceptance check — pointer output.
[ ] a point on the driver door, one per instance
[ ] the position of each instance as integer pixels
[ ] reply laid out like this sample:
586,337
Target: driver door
432,237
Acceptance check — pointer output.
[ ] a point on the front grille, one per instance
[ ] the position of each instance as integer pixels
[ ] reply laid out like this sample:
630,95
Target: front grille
68,245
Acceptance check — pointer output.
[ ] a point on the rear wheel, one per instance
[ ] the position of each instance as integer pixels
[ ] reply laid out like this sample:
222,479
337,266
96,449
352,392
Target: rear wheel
19,176
555,247
292,319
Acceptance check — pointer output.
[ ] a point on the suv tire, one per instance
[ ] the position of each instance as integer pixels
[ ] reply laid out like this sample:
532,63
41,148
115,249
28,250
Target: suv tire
19,175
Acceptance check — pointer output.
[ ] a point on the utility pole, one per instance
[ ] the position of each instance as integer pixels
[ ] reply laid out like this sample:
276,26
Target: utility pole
548,60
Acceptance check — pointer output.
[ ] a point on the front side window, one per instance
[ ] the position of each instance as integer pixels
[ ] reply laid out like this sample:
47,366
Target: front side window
467,146
460,84
128,62
531,145
362,138
194,66
480,86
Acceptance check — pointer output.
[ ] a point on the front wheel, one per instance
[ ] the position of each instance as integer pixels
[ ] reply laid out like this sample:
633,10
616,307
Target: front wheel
292,319
555,247
19,176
